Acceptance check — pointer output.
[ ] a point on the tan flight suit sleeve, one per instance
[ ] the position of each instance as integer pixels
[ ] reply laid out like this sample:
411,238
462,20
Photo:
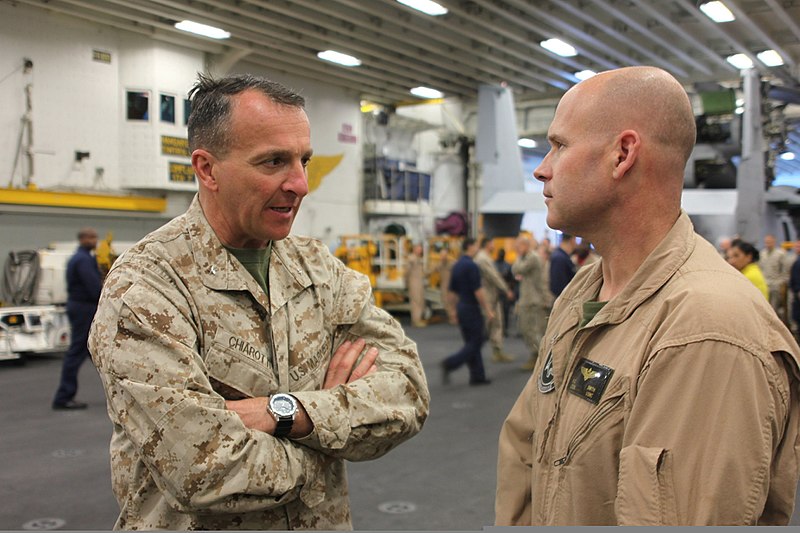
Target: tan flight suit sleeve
515,459
700,438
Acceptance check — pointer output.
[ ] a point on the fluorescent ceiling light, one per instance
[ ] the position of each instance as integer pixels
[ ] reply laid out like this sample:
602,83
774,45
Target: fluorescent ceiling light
527,143
787,156
717,11
339,58
740,61
426,92
202,29
557,46
770,58
426,6
585,74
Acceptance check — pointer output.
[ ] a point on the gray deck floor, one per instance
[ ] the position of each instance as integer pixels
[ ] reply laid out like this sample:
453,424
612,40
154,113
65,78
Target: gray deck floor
54,469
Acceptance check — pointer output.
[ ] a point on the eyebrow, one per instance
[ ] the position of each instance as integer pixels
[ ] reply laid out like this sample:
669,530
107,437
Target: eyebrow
555,138
279,154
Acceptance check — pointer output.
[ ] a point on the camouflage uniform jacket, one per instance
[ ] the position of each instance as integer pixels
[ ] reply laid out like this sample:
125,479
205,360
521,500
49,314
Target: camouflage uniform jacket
532,287
493,282
182,326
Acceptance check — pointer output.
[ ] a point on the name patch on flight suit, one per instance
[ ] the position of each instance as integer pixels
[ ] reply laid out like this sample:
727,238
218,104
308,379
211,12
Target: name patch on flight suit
589,380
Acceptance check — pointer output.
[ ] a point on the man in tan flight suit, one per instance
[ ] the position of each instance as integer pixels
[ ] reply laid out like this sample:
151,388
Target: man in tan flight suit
242,366
666,391
493,285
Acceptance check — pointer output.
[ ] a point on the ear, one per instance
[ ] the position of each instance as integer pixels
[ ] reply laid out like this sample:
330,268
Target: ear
203,164
626,150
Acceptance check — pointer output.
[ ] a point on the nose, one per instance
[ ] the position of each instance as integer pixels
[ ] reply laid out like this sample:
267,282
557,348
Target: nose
544,171
297,180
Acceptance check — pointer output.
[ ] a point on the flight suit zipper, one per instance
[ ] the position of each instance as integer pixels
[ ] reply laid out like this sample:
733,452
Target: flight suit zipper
550,486
591,422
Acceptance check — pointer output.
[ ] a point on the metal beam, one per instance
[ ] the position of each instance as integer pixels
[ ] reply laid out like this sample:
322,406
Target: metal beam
784,17
649,34
614,34
82,200
440,41
765,38
648,8
391,64
709,24
557,22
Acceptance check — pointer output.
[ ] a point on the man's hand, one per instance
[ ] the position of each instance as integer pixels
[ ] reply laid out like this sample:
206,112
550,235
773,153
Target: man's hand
341,370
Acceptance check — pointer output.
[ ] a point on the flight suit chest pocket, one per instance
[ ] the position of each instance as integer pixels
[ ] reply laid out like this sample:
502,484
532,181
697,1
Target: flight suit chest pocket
238,369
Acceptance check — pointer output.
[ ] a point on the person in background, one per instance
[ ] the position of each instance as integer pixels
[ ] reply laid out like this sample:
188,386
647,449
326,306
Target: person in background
84,284
584,255
666,392
772,262
494,286
794,289
724,246
562,268
468,297
243,365
545,250
534,296
445,269
415,285
744,257
506,303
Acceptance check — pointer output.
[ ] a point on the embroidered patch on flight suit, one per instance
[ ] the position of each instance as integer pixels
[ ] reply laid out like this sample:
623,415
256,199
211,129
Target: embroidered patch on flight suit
589,380
546,379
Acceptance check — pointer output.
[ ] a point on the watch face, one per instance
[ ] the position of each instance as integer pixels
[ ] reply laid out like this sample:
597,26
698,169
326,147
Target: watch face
282,405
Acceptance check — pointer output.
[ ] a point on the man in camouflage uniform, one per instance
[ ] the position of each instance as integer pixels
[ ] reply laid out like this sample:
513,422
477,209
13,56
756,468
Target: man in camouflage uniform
206,319
534,296
776,273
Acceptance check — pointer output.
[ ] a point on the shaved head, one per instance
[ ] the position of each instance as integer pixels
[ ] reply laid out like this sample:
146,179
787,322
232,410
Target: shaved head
646,99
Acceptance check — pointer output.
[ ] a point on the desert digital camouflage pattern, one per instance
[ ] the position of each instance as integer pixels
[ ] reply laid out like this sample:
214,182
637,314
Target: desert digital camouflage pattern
182,326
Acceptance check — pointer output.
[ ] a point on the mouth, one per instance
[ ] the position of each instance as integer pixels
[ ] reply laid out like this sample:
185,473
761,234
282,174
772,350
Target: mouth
282,209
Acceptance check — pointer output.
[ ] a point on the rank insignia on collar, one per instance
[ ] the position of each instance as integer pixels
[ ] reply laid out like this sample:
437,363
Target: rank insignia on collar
546,379
589,380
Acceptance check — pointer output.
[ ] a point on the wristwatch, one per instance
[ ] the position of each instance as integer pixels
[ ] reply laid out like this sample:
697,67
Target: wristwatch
283,407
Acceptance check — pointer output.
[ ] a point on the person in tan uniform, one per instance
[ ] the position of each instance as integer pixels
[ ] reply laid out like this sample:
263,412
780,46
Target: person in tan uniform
445,269
534,296
493,285
243,366
773,264
415,285
666,391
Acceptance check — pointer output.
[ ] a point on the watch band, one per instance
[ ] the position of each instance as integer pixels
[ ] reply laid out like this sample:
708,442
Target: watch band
283,427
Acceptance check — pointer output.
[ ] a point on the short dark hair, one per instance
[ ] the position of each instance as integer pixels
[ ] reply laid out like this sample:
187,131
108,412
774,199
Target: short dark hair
484,241
747,249
211,107
86,232
468,241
